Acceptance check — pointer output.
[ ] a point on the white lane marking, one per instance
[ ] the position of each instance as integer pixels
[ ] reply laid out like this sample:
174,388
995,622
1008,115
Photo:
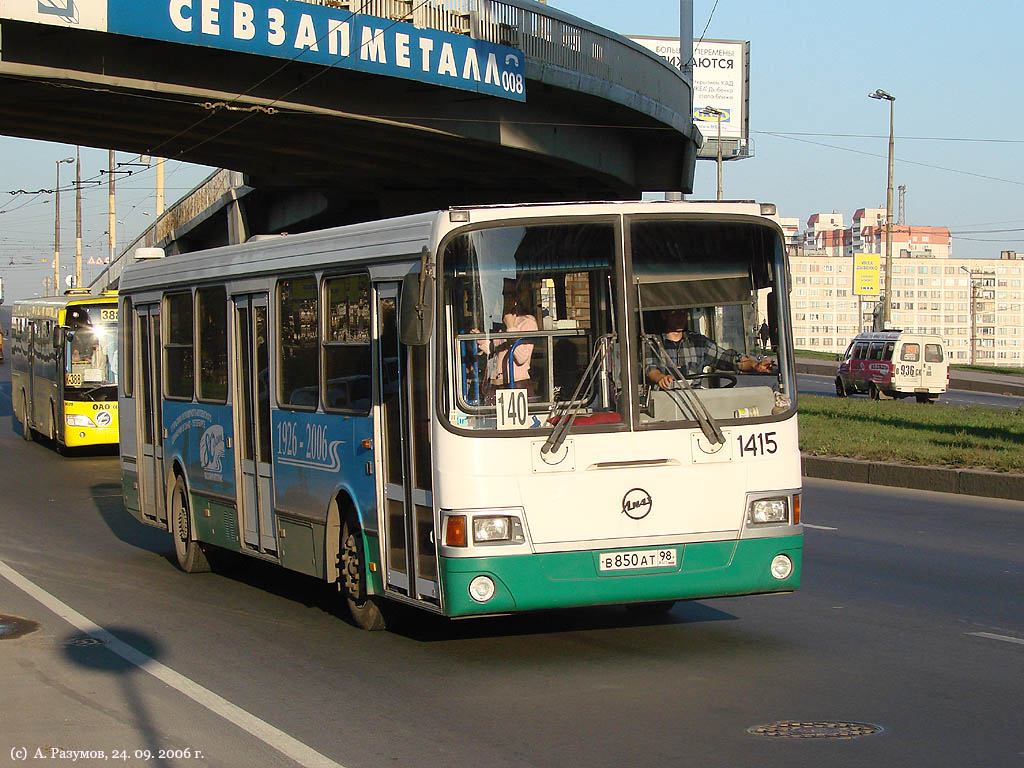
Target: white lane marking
268,734
820,527
1004,638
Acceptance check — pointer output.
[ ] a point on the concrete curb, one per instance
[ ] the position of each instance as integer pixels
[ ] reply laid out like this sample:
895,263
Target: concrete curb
972,482
1001,387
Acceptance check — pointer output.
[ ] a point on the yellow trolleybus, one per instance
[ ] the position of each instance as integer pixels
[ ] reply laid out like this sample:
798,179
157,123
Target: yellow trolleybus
64,368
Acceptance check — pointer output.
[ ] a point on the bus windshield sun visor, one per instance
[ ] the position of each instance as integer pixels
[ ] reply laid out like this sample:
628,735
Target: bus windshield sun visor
695,291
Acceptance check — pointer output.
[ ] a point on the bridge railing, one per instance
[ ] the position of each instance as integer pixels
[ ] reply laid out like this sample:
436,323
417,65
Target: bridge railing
546,35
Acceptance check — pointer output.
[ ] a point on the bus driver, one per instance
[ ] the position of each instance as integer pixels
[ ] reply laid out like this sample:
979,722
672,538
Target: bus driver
692,352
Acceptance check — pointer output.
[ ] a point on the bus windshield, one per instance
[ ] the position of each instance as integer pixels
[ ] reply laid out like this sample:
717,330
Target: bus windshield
527,308
91,349
697,322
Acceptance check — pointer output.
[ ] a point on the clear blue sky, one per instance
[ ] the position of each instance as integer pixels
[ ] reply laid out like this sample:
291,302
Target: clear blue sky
820,143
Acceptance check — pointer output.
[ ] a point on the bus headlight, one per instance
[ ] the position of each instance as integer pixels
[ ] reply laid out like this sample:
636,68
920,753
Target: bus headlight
768,511
494,527
78,420
497,529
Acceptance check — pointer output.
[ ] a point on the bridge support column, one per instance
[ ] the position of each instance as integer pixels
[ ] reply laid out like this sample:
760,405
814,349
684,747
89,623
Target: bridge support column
238,222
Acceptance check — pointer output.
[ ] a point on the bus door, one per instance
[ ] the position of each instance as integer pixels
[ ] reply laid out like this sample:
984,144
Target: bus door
30,373
149,415
252,421
405,465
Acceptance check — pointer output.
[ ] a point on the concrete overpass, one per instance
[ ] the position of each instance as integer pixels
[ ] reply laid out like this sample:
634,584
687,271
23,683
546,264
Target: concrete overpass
295,96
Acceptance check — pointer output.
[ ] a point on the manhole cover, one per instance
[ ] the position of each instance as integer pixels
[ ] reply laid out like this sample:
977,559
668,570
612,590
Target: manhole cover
822,729
13,626
84,642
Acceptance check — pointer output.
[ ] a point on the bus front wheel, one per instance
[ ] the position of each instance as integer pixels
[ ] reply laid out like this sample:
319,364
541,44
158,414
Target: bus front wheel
191,558
365,609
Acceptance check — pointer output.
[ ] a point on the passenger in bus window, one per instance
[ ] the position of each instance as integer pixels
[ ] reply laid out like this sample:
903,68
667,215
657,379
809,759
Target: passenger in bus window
692,352
517,319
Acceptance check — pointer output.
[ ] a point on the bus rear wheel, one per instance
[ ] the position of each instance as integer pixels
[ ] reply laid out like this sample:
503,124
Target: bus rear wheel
191,558
365,609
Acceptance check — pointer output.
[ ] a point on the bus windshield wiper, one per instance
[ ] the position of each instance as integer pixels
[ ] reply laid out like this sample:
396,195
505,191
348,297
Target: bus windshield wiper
575,405
683,393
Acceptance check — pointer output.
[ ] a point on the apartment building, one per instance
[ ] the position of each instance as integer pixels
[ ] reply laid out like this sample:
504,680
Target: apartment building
974,304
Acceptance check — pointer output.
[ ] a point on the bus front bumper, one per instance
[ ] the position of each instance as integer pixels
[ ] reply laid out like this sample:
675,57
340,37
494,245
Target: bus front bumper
573,579
87,423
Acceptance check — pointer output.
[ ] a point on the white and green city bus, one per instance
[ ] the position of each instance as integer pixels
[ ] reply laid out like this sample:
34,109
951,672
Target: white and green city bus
456,410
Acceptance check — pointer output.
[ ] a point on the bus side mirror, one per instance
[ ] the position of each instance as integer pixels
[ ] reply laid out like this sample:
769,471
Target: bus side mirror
417,308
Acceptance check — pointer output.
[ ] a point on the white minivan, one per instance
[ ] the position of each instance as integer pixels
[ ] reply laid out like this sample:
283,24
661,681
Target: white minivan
888,364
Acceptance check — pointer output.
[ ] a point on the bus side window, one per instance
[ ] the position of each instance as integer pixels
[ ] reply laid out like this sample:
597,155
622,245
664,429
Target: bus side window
910,353
346,344
128,348
876,350
859,350
212,344
849,352
178,364
298,341
887,352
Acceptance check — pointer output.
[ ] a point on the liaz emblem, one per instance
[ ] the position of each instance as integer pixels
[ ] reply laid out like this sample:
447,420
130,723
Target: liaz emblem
636,503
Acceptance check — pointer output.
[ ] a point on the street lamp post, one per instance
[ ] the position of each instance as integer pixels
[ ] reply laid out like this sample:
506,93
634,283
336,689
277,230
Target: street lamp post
56,228
887,298
78,217
718,114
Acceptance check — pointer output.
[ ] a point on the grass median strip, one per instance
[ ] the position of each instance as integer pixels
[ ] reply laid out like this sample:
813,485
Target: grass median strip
911,433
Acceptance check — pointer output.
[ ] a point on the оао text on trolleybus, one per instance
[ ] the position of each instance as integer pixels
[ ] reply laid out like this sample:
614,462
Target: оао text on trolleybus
475,411
64,368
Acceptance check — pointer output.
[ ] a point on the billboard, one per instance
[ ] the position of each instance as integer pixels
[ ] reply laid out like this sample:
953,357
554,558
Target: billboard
314,34
867,274
721,82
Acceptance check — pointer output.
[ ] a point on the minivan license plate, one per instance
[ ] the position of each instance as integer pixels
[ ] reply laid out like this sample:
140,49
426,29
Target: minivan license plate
637,559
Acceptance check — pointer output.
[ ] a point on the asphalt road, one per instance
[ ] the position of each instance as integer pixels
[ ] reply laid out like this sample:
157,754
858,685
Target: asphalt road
909,619
813,384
